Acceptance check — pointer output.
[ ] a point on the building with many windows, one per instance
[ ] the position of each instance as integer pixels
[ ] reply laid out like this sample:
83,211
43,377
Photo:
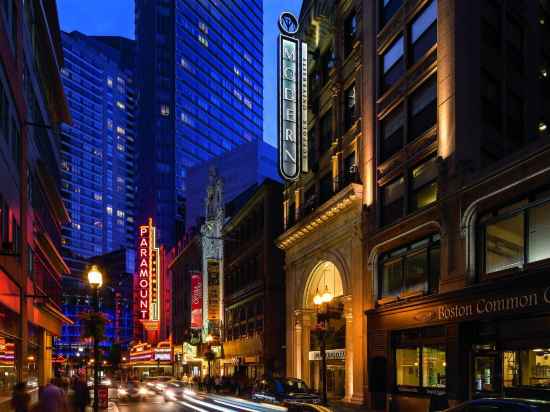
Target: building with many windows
32,107
200,87
97,164
253,287
322,237
456,207
440,254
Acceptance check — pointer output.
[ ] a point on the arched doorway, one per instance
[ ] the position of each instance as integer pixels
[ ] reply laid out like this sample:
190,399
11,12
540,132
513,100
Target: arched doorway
326,278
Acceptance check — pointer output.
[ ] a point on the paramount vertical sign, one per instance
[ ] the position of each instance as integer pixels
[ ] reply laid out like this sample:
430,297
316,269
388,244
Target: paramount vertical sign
148,277
292,93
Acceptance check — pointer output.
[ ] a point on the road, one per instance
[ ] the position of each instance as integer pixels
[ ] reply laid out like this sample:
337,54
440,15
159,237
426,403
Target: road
197,403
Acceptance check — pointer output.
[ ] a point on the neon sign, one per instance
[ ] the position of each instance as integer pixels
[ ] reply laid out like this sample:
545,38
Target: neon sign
148,275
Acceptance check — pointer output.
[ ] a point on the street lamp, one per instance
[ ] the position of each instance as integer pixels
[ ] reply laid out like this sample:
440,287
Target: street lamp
95,278
319,301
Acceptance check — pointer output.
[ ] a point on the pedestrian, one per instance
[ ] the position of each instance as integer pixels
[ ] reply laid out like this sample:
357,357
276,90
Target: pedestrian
20,398
51,399
81,395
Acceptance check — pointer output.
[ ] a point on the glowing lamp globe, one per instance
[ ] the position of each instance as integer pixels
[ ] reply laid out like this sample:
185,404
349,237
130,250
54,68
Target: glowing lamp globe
317,299
95,277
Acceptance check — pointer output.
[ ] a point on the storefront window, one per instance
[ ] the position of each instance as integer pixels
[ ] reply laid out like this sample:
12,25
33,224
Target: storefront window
530,367
433,367
8,375
407,362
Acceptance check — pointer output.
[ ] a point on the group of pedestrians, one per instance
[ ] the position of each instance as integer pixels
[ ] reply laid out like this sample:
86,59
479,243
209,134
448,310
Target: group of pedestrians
220,384
56,396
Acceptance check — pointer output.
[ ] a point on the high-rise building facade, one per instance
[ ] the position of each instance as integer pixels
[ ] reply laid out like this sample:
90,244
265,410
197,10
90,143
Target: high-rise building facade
32,107
200,88
97,161
97,166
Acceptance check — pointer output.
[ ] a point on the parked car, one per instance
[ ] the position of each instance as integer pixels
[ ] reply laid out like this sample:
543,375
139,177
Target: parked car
133,390
502,405
286,391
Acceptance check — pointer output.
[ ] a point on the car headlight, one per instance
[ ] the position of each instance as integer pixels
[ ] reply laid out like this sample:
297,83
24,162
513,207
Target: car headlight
122,391
189,392
170,394
142,391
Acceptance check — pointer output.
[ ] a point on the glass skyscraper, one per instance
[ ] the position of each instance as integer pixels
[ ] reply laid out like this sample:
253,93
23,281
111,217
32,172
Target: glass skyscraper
199,70
97,150
97,175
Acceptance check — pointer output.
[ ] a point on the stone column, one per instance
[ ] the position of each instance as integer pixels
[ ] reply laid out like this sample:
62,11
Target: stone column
304,356
349,349
298,331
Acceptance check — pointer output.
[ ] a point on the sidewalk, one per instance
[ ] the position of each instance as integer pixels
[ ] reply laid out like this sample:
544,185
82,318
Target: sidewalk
112,408
338,406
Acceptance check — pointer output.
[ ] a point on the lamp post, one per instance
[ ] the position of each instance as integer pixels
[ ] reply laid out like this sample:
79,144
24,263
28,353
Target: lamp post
95,278
321,302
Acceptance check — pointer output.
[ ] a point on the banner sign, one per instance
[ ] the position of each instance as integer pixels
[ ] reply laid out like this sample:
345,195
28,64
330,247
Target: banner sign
196,300
213,268
332,354
292,94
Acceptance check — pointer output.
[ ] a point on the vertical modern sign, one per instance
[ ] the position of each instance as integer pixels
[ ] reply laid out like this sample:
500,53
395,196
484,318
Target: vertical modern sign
196,300
292,108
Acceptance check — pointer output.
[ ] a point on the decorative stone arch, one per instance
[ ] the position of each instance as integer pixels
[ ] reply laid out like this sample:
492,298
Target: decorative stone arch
310,274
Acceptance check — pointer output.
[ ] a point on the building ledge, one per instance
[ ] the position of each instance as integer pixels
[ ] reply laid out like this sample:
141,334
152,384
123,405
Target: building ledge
51,253
335,206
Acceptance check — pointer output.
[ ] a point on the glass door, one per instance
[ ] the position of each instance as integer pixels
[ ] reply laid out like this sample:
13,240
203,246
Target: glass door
486,375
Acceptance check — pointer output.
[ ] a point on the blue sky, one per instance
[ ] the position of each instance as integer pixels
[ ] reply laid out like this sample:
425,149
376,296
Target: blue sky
116,17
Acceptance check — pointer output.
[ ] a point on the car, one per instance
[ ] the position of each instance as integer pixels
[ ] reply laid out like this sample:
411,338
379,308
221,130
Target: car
159,382
133,390
502,405
173,390
285,391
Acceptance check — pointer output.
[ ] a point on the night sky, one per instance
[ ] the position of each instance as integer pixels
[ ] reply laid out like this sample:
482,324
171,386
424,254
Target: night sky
116,17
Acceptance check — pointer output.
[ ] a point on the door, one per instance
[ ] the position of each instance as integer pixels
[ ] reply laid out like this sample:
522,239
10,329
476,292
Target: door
485,379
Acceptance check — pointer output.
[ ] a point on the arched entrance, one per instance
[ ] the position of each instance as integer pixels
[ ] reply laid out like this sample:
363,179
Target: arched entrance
325,278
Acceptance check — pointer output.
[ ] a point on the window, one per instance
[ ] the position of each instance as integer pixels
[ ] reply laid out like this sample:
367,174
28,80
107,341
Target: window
422,109
393,201
424,184
328,60
120,130
517,235
392,133
326,131
527,367
491,31
389,8
423,32
120,105
164,110
350,32
325,185
393,64
514,117
110,81
410,269
350,107
514,44
421,366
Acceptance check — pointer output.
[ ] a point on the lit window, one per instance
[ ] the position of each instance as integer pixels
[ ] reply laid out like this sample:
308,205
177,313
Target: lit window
203,27
110,124
248,103
120,222
424,184
120,213
120,147
237,94
120,130
236,70
120,105
98,196
119,179
120,80
203,40
248,58
110,81
130,219
109,210
165,110
184,63
76,226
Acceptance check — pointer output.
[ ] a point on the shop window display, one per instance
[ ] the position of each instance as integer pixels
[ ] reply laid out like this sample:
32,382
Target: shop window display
530,367
421,367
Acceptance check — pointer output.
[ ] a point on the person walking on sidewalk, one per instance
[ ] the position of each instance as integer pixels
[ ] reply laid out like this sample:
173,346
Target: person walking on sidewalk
81,395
